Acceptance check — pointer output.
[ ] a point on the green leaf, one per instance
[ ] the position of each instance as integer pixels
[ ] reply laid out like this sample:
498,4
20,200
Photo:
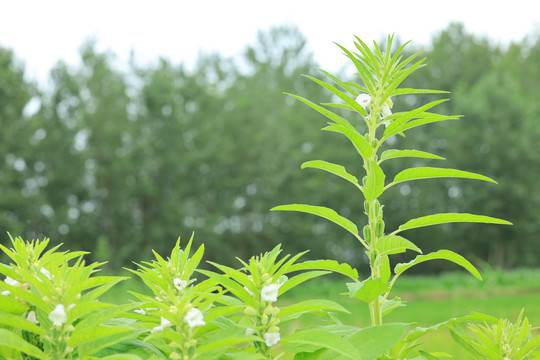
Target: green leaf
331,265
314,339
12,306
374,341
428,356
329,114
331,168
419,173
300,278
295,310
393,154
389,305
374,186
393,244
95,339
446,218
400,119
367,290
360,143
19,322
402,91
14,341
346,98
321,211
528,347
439,255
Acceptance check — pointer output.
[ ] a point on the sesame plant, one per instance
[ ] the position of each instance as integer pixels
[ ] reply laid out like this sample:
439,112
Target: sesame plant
49,306
372,123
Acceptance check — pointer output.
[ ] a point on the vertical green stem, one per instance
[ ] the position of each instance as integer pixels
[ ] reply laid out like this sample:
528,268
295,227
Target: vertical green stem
375,305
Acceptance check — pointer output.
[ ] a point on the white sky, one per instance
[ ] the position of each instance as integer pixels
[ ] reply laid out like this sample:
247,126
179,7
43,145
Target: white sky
42,32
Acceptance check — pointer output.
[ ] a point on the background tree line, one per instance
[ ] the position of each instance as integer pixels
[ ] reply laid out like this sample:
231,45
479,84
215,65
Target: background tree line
118,162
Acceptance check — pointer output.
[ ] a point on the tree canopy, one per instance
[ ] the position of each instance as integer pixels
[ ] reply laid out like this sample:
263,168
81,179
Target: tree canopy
121,161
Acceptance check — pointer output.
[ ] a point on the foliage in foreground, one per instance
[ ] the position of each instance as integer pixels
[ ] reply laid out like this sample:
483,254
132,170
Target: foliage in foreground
50,299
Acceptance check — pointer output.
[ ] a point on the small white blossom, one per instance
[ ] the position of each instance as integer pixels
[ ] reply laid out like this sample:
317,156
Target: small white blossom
58,315
140,311
386,111
31,316
250,331
363,100
194,317
270,292
180,284
271,338
164,323
11,281
5,293
70,306
46,273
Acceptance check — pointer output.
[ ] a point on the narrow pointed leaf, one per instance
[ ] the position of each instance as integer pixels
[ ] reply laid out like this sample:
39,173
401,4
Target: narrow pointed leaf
314,339
374,341
346,98
13,341
402,91
360,143
419,173
439,255
331,265
393,244
446,218
329,114
393,154
332,168
402,118
367,290
321,211
374,186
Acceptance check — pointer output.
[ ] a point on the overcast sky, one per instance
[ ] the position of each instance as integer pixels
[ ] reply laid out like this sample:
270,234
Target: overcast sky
42,32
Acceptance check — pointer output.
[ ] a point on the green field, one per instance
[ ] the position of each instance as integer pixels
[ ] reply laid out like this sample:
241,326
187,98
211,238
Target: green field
430,300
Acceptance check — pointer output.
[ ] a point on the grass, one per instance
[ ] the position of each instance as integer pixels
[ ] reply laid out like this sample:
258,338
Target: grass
430,300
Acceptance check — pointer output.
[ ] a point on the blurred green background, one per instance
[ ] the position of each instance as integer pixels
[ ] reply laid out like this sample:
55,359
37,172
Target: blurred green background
122,161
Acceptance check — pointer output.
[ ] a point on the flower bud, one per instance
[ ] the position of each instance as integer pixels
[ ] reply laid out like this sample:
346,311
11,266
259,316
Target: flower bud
367,234
268,310
264,319
380,228
192,342
250,311
265,277
173,310
175,356
273,329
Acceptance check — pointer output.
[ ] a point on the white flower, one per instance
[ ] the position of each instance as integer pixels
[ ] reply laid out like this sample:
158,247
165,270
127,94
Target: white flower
46,273
271,338
11,281
194,317
250,331
179,283
270,292
5,293
31,316
58,315
386,111
363,100
140,311
164,323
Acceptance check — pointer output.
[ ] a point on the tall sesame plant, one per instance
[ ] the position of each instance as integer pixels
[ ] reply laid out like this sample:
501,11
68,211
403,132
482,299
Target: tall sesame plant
380,74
